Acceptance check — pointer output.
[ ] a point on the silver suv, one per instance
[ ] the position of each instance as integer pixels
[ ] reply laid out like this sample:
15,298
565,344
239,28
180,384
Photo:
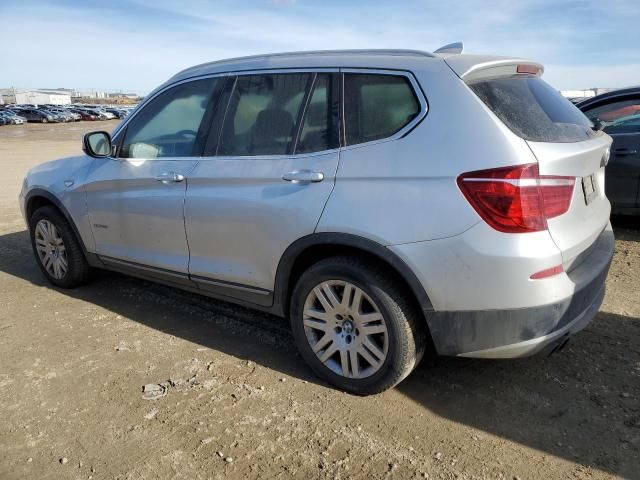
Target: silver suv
388,202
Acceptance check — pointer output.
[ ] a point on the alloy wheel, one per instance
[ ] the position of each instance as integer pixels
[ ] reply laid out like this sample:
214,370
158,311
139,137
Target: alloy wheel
345,329
51,249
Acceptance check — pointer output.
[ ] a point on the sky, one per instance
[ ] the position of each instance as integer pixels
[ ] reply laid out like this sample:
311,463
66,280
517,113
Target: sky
135,45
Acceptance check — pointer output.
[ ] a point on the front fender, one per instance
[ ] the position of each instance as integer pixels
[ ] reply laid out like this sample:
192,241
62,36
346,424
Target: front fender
61,182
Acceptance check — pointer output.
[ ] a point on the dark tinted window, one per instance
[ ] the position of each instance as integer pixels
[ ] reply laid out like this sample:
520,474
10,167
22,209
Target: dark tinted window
169,124
622,116
533,110
377,106
263,114
320,124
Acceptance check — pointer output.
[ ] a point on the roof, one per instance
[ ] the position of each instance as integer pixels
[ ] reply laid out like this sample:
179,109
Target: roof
311,59
44,91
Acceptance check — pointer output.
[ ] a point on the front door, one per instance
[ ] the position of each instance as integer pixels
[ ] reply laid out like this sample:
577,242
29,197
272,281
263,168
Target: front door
266,181
136,199
136,210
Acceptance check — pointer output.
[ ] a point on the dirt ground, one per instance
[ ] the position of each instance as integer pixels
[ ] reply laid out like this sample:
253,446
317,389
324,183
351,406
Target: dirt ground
241,403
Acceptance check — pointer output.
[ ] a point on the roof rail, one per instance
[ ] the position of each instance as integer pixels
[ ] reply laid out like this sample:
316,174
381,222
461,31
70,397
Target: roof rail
452,48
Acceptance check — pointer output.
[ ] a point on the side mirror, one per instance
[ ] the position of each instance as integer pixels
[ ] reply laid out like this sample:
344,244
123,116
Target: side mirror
97,144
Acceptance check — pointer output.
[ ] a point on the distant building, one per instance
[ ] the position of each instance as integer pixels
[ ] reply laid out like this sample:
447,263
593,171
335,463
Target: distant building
7,95
123,95
589,92
89,94
41,96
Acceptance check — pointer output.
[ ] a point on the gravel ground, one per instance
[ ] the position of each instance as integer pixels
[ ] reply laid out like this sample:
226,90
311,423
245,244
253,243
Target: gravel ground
235,400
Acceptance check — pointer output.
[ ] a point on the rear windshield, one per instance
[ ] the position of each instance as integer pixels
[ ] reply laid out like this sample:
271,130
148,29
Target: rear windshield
533,110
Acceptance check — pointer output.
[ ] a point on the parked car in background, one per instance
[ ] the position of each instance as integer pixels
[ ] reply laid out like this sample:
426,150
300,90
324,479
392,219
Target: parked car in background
618,114
67,115
97,113
12,118
21,113
385,201
37,115
57,117
106,113
84,115
119,113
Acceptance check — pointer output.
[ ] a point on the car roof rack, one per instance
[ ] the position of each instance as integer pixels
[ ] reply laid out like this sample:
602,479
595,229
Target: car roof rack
454,48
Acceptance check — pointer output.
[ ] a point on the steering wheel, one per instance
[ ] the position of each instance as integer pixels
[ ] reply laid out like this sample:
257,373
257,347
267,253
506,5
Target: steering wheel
187,133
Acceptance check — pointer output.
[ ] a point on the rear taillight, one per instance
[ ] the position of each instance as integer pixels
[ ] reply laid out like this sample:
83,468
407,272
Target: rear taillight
517,199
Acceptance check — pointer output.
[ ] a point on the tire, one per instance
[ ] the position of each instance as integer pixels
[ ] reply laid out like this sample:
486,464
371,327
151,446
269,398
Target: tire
77,269
44,120
402,343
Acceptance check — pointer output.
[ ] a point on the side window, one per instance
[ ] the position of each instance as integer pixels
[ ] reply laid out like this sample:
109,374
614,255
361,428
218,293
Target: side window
169,124
320,124
263,114
377,106
622,116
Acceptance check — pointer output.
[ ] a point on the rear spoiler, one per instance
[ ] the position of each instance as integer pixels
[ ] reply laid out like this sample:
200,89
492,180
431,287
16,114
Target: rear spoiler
471,68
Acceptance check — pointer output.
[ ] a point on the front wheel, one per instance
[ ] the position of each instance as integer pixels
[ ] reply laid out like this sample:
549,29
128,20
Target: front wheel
354,326
56,248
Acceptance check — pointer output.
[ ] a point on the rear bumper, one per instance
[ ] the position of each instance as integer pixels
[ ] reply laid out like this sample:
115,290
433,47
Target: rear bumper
521,332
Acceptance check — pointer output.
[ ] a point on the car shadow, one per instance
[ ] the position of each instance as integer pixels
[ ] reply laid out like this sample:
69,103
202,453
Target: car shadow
580,404
626,227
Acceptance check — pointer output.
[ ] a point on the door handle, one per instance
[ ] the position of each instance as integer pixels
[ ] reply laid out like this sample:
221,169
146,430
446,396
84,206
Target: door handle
170,177
303,176
624,152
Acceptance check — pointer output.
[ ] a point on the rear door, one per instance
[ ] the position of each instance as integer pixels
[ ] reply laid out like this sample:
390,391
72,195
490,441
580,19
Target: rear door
621,120
269,171
564,144
136,198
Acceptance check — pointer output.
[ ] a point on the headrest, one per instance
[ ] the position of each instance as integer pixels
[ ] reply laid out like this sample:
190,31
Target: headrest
273,123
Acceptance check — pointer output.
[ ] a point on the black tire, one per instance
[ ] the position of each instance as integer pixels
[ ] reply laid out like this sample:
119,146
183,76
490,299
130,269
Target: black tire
407,336
44,120
78,269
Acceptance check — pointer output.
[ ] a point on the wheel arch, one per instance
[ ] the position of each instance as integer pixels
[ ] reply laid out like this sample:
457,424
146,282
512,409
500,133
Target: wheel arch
39,197
310,249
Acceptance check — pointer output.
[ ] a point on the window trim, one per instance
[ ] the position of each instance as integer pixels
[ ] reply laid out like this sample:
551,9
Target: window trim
417,91
121,128
313,74
119,134
306,100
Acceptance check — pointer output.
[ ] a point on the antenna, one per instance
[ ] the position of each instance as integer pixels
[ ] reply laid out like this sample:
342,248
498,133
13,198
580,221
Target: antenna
452,48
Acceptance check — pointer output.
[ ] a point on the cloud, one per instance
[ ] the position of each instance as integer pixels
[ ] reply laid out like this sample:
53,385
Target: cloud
581,77
137,44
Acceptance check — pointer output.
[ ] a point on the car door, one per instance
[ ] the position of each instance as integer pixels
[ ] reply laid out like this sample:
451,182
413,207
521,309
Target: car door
621,120
136,198
269,172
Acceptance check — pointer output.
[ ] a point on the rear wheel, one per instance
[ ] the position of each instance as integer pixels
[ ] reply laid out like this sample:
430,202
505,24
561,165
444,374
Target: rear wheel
56,248
354,327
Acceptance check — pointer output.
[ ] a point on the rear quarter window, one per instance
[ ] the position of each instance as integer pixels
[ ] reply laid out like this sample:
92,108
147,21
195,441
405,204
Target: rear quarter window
533,110
377,106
